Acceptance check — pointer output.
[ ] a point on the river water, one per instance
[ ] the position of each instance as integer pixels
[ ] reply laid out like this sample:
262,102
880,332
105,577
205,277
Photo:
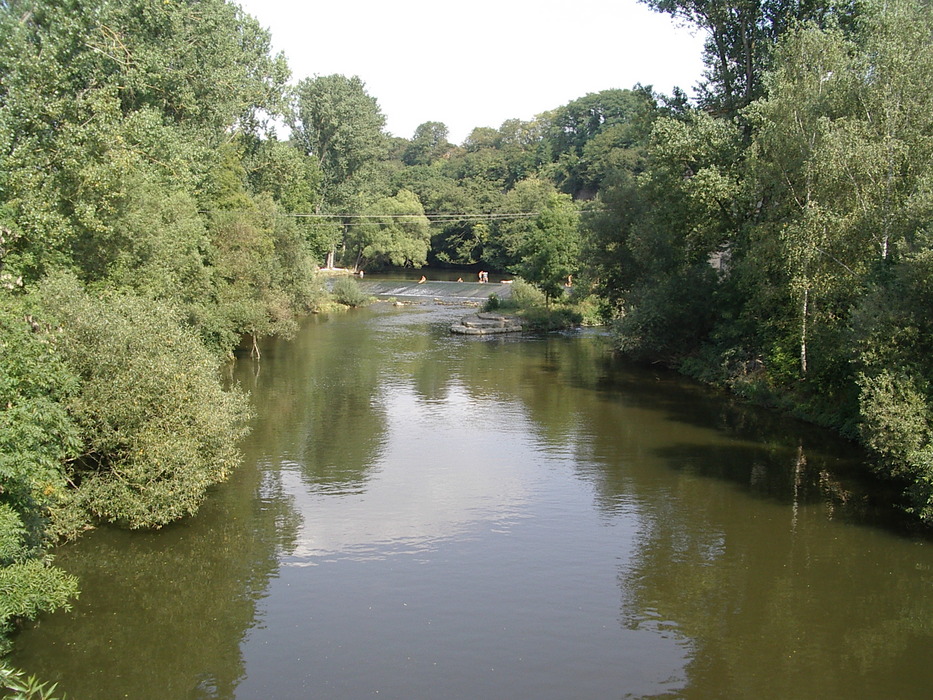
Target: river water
424,515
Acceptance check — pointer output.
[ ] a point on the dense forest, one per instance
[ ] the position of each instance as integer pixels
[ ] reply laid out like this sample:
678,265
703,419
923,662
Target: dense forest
772,233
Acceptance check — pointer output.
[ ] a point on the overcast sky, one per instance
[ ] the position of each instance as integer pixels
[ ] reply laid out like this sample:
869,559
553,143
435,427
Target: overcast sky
480,62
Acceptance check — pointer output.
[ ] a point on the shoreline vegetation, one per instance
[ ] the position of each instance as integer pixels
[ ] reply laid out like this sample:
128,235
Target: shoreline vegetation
770,234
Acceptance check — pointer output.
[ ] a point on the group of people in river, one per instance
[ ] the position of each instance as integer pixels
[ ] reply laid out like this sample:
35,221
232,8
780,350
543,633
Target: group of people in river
482,276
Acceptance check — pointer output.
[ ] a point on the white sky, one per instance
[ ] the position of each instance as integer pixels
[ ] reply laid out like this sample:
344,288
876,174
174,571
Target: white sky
480,62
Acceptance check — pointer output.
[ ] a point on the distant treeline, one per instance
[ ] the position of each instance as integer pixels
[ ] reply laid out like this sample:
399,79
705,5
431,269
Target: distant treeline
772,234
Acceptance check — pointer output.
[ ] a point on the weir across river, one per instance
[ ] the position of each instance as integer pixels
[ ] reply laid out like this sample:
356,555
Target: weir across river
435,289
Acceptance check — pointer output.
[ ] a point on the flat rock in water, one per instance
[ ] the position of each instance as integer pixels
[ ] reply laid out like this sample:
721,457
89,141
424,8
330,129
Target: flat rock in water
486,324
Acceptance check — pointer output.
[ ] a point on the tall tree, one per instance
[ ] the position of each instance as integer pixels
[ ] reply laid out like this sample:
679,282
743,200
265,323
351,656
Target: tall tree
741,35
86,100
339,124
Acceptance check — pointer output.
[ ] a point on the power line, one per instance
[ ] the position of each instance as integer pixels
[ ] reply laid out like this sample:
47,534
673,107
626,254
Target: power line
432,217
440,216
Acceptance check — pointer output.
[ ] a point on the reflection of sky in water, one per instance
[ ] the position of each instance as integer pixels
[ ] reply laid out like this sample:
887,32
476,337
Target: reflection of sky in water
459,470
467,563
495,531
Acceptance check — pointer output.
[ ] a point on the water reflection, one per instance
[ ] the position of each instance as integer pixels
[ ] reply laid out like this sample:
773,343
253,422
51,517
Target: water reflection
423,515
162,614
442,480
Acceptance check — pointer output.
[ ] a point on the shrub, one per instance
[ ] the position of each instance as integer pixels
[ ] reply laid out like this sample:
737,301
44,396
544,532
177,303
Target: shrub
157,426
19,686
525,295
347,291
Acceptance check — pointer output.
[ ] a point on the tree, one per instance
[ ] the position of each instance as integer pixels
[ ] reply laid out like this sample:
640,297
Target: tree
741,35
341,126
550,253
572,129
85,101
292,178
427,145
395,231
521,208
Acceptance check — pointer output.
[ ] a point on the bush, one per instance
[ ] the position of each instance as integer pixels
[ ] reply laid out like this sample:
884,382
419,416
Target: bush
530,303
347,291
19,686
157,427
525,295
28,588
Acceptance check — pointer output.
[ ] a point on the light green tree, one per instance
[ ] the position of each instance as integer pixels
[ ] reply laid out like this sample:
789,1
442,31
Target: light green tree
341,127
394,231
428,144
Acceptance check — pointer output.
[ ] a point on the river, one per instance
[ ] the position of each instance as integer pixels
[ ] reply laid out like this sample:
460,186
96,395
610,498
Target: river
423,515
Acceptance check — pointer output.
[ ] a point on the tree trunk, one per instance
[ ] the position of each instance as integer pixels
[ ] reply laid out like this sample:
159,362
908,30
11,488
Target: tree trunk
803,332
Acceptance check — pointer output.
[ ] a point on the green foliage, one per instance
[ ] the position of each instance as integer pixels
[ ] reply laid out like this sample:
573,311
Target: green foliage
740,39
347,291
292,179
86,105
157,244
524,295
583,137
530,303
395,232
18,686
30,587
427,145
550,252
37,435
110,406
157,427
340,126
552,317
36,431
785,250
509,238
669,317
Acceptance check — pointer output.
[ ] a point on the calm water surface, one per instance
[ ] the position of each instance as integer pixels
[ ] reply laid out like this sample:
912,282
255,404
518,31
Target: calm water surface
422,515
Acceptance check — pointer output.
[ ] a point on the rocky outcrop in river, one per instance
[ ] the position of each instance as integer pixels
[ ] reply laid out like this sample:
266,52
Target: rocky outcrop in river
486,324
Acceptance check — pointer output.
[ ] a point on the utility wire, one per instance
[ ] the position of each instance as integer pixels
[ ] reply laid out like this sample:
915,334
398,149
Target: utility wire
431,217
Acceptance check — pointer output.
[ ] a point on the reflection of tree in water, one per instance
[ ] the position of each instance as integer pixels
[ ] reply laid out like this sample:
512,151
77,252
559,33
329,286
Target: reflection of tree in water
657,419
781,604
314,397
775,592
161,614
